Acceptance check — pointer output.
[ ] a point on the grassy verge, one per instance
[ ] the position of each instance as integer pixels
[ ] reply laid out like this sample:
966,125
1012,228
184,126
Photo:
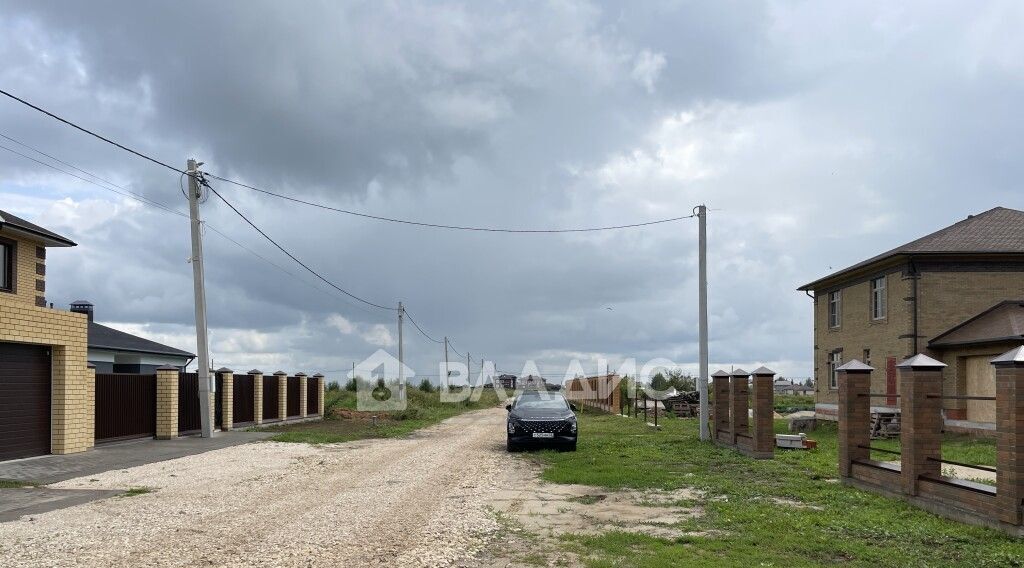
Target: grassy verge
343,423
15,483
789,511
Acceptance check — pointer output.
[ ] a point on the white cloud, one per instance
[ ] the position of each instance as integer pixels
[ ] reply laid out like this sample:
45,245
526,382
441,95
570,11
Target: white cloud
647,68
378,335
340,323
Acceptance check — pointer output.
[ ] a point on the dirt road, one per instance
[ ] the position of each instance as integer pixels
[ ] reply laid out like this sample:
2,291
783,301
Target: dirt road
419,501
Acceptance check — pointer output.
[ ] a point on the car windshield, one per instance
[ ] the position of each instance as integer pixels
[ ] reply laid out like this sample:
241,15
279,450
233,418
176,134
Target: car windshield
542,403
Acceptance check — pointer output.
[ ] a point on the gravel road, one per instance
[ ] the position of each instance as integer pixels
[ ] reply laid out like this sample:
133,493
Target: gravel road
418,501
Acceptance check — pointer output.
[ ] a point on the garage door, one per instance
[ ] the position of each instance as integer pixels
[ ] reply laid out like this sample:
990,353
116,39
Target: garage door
981,381
24,400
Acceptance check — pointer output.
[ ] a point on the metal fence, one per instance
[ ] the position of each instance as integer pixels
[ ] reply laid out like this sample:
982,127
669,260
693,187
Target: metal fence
125,406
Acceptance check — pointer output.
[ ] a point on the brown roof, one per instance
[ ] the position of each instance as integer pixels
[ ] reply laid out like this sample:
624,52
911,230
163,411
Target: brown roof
996,231
19,225
1002,322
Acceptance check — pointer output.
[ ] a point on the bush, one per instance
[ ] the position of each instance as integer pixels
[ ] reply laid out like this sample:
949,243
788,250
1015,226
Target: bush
333,386
425,386
352,385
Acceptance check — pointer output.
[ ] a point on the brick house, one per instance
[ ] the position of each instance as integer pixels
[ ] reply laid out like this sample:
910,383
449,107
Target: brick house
46,387
956,295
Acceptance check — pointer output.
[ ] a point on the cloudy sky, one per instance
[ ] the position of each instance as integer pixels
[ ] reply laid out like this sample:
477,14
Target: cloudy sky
818,133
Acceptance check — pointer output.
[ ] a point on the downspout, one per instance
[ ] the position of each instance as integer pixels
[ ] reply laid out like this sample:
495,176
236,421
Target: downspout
914,276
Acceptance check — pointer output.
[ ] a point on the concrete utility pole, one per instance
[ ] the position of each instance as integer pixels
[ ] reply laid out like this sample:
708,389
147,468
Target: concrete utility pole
206,385
446,372
401,352
702,217
469,373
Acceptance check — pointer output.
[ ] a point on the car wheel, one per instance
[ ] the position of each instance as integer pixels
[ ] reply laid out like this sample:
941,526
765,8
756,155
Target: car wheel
511,446
570,447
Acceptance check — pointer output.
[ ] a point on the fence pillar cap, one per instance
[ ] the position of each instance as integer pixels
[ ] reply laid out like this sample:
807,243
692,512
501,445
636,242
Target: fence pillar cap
762,371
720,373
855,366
921,361
90,365
300,374
255,372
167,368
281,373
739,373
224,370
1014,356
318,376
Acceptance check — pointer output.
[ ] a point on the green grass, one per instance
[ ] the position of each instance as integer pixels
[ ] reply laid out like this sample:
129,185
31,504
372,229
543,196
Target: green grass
424,409
836,524
133,491
786,403
15,483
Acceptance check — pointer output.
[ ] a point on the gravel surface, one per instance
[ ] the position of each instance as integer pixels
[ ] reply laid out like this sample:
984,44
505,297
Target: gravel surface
418,501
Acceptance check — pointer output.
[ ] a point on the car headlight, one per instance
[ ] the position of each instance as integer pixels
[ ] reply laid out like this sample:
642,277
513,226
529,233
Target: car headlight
511,427
572,426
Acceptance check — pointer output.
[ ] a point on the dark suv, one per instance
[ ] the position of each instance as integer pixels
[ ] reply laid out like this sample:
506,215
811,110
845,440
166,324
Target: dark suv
541,418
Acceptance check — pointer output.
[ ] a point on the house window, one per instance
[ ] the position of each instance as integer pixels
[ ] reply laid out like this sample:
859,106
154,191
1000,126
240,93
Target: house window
835,360
878,298
867,357
835,307
6,266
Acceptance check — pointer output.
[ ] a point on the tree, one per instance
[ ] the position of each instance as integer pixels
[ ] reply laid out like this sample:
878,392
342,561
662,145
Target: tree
425,386
659,382
352,384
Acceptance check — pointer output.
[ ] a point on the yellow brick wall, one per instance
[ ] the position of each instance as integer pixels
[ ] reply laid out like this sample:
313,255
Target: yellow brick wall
858,331
25,271
73,386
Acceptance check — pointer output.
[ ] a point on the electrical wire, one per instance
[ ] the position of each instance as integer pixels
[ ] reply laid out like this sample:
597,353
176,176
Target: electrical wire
337,209
89,132
293,257
442,226
420,329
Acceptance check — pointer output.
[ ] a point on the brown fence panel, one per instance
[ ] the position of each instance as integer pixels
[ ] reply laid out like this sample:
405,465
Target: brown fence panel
312,397
188,403
125,406
294,408
270,398
218,399
243,399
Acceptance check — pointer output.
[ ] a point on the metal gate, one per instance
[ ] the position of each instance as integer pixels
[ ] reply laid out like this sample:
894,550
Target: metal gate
292,402
270,399
243,399
312,397
189,420
125,406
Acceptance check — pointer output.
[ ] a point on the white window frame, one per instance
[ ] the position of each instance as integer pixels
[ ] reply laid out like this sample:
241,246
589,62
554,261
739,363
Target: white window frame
879,300
835,318
835,360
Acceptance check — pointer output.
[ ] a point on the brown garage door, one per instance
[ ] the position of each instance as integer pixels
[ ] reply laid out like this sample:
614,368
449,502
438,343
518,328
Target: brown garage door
24,400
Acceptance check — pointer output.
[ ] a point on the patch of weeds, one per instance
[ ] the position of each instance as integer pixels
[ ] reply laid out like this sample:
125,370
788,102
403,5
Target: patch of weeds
15,483
587,499
133,491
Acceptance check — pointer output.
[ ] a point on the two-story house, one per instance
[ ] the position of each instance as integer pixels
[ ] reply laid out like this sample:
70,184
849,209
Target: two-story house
956,295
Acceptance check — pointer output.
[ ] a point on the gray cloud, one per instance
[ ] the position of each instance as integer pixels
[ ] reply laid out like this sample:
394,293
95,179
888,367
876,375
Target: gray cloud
815,132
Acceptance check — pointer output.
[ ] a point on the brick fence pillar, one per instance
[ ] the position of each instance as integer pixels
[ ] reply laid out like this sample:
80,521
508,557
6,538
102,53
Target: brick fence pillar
921,419
320,393
720,384
1010,434
764,413
257,396
282,394
227,398
166,402
616,394
739,403
854,414
303,393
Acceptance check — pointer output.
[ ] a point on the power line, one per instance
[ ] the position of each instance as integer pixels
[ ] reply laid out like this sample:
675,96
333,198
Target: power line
442,226
420,329
292,256
125,192
337,209
90,132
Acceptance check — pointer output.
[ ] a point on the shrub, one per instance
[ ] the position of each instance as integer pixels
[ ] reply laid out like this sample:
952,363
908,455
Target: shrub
425,386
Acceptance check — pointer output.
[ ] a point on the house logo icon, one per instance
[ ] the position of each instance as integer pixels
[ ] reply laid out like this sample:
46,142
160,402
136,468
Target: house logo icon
378,387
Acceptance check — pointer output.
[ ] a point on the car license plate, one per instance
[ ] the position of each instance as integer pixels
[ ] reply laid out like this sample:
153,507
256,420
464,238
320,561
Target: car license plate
543,435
